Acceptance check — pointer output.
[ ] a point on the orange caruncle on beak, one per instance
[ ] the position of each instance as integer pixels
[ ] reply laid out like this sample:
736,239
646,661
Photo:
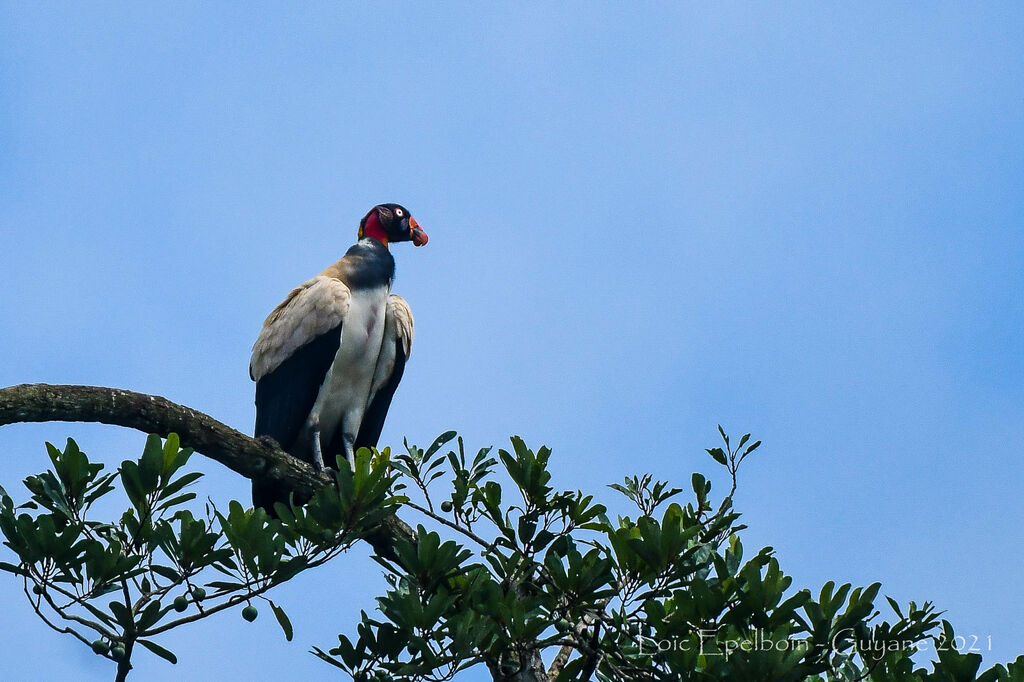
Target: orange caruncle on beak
416,233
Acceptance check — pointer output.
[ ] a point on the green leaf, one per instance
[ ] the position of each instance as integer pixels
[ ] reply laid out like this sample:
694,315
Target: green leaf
151,464
11,568
698,481
121,614
180,499
177,484
438,443
149,616
282,620
718,454
133,486
159,650
166,572
750,448
347,651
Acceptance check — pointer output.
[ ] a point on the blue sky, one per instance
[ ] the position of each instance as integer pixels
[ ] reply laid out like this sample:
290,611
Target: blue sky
801,221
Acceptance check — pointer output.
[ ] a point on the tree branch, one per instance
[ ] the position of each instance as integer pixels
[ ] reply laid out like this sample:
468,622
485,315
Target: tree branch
253,458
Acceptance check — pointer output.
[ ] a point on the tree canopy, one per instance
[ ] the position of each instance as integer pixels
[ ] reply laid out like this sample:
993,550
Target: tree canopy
504,572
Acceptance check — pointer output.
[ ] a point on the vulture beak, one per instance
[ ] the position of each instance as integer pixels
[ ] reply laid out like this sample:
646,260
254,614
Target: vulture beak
416,233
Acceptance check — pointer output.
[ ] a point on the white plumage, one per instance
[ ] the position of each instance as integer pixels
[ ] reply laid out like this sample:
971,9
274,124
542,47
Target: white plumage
329,357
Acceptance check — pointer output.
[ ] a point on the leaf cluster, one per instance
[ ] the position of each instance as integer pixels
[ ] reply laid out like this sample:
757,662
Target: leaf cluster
162,564
506,572
532,582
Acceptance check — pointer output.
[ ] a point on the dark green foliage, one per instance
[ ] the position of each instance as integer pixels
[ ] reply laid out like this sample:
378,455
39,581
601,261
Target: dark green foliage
540,574
507,572
159,566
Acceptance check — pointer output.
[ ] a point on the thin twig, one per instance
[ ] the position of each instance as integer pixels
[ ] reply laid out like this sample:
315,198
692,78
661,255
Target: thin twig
440,519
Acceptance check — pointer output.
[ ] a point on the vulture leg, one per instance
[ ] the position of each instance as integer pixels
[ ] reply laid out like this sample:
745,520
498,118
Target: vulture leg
350,451
318,455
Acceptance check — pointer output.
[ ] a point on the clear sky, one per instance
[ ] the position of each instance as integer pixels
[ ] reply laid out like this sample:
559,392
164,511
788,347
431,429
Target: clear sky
645,220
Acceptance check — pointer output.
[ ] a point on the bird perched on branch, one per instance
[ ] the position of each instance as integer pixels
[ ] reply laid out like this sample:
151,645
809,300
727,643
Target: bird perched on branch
330,356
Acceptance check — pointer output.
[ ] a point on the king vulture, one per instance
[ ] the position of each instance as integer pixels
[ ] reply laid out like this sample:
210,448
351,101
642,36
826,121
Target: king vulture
330,356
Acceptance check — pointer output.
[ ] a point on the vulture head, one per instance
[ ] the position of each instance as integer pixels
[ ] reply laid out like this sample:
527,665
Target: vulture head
391,223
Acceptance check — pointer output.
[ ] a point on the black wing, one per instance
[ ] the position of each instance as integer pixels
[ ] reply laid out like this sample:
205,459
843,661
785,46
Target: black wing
284,399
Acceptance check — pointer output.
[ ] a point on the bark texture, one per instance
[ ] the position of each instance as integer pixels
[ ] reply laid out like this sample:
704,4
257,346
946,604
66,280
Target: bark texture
250,457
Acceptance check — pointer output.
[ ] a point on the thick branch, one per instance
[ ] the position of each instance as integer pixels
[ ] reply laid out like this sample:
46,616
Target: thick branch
250,457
